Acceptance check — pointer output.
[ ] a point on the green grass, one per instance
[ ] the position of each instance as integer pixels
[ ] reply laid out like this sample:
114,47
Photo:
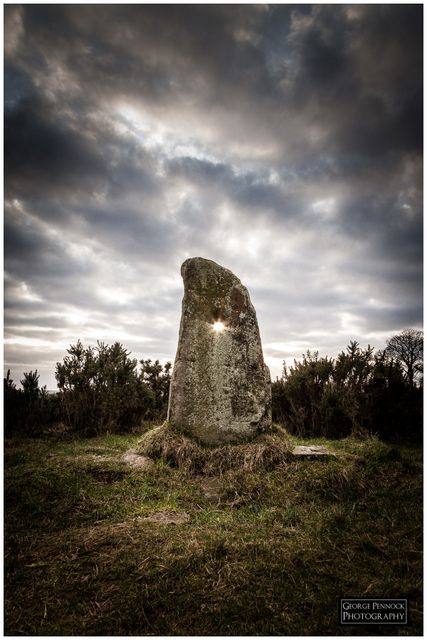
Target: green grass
269,556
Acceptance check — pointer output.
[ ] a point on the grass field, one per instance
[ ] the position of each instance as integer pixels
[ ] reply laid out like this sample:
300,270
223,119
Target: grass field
260,553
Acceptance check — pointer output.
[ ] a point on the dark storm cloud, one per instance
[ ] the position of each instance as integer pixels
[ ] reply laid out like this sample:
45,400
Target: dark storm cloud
320,60
283,141
357,70
152,45
17,85
44,153
42,150
27,248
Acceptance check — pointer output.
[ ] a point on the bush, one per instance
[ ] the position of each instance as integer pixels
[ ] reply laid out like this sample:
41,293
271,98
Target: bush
157,379
358,392
30,409
101,390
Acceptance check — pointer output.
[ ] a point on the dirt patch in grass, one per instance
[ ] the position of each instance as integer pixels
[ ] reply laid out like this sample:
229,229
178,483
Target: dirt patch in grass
106,475
168,517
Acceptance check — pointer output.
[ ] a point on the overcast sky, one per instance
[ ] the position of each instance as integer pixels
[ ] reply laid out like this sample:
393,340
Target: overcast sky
282,141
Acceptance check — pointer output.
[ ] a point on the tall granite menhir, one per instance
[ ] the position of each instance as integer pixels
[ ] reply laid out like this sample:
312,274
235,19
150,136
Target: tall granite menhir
220,389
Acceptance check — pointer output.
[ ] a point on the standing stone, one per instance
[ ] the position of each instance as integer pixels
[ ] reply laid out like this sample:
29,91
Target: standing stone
220,390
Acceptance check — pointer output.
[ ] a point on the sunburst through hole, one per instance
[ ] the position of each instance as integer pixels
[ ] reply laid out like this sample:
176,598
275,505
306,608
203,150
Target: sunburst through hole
218,326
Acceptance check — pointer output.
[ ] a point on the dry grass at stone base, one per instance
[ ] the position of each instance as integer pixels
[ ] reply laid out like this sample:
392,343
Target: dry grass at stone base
97,547
264,453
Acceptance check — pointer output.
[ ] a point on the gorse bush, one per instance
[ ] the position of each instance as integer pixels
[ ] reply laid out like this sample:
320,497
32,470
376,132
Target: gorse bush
102,391
98,388
156,379
358,392
27,408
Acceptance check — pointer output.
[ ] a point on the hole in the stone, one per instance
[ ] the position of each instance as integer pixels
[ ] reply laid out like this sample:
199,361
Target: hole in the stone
218,326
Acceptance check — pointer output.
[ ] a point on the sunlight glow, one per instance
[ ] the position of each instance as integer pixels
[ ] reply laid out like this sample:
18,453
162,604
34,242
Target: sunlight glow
218,327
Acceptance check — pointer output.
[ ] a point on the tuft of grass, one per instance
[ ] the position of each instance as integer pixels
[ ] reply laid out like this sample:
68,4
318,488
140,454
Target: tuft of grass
264,453
260,548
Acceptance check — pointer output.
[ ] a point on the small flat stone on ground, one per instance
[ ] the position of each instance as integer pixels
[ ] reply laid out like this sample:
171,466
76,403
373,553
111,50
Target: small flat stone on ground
311,450
212,489
135,460
168,517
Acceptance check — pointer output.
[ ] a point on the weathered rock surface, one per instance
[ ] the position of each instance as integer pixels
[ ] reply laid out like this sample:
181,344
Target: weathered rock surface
220,389
132,458
311,450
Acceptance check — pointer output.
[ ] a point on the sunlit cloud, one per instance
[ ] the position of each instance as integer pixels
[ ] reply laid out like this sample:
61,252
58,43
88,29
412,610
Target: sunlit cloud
325,208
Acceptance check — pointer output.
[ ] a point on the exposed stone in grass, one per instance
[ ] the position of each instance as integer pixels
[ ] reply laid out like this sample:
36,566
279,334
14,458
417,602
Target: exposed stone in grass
212,488
132,458
220,388
311,450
